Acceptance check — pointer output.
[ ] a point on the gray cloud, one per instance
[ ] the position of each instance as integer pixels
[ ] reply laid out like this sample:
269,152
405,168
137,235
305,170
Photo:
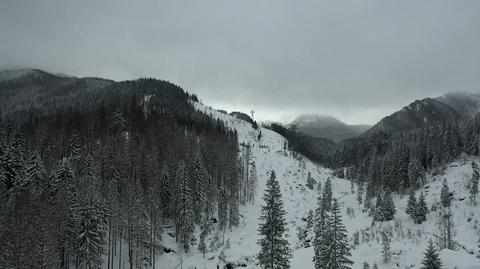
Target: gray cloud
356,60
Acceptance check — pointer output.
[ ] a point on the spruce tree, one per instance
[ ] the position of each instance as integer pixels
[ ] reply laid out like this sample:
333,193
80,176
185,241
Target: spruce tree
412,202
378,210
184,212
360,191
275,252
445,194
327,195
420,213
91,235
474,183
431,259
199,188
386,252
416,173
388,207
335,248
35,175
164,190
223,208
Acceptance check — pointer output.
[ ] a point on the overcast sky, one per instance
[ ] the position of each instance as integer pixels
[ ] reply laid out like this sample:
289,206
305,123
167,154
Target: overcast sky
355,60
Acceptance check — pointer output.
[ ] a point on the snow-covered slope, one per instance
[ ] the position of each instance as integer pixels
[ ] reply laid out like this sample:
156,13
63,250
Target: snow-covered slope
409,239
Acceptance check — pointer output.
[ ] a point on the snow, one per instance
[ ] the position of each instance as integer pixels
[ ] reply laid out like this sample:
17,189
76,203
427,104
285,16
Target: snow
409,240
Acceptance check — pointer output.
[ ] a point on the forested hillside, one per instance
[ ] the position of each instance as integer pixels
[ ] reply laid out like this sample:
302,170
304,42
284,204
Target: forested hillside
90,169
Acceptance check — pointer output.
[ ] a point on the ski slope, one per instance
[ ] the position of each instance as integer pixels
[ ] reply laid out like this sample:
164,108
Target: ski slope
408,242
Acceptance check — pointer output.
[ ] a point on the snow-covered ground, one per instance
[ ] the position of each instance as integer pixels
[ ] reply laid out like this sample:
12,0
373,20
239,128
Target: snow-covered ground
409,239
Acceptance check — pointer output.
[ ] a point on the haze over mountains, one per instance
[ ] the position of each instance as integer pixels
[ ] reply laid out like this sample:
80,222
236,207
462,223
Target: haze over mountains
327,127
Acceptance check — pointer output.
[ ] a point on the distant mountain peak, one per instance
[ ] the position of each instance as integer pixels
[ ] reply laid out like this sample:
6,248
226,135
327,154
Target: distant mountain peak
12,74
327,127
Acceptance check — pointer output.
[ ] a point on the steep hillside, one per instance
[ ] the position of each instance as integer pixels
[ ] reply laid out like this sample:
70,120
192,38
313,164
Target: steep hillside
327,127
430,111
409,239
421,113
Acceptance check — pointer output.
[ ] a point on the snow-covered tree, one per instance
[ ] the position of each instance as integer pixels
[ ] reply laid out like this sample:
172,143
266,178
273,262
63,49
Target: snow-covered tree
223,208
445,194
388,207
419,215
233,214
360,191
335,248
199,188
412,202
310,181
275,252
327,195
164,190
386,252
91,235
184,212
446,229
431,259
416,173
378,210
35,175
474,183
201,245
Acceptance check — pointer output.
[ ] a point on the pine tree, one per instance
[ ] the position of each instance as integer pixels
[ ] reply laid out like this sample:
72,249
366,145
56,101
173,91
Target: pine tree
335,248
274,248
474,183
431,259
412,202
445,194
184,212
419,215
386,252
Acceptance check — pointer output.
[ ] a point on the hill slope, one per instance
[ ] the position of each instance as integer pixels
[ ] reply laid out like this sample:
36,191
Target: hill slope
430,111
409,239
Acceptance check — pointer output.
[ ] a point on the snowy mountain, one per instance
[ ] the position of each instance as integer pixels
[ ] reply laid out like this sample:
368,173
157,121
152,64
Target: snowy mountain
430,111
467,104
131,140
408,239
327,127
